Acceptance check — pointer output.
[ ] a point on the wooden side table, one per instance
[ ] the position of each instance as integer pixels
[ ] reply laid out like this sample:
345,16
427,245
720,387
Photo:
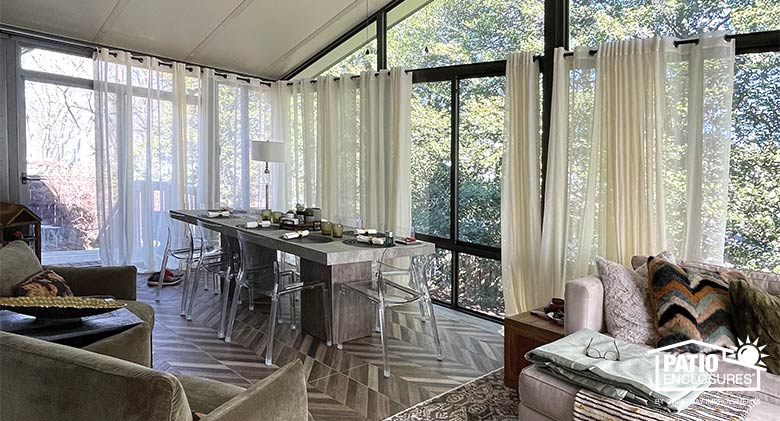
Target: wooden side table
522,333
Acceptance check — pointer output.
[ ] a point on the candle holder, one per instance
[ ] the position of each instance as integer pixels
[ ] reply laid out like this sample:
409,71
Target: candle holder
338,231
266,214
326,228
276,217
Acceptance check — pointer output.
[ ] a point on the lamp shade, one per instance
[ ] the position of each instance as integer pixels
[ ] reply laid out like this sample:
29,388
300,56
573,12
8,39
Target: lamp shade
267,151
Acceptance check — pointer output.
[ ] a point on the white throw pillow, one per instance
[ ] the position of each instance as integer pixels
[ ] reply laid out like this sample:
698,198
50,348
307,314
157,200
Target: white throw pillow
627,311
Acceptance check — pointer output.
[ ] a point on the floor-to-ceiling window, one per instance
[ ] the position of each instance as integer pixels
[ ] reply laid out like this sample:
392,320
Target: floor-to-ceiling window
753,224
59,143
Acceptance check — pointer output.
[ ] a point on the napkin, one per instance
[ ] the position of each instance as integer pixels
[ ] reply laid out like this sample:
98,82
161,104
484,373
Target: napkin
265,224
224,213
212,214
292,235
363,231
370,240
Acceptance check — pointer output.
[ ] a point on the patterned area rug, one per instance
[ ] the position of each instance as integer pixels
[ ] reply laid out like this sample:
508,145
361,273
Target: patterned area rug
484,398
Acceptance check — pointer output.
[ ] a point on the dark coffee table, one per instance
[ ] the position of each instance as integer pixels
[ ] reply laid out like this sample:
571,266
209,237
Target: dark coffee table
72,332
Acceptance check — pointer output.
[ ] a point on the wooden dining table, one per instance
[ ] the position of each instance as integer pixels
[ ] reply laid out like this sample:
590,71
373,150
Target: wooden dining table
334,262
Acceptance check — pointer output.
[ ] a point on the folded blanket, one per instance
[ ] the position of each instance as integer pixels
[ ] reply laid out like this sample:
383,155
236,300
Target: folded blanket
710,405
632,378
364,231
295,234
370,240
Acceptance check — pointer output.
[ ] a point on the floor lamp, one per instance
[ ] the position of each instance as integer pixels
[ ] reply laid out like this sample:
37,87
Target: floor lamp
268,152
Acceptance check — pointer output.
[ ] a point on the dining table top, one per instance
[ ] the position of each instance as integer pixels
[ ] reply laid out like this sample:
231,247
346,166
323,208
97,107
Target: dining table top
335,252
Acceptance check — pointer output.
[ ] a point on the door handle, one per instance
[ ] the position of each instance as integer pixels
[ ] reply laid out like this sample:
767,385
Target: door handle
27,178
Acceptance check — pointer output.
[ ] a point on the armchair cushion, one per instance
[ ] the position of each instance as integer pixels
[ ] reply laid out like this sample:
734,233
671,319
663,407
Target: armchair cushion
280,396
117,281
17,264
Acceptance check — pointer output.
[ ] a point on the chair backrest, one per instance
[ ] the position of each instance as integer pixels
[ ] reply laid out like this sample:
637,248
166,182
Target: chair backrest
259,267
40,379
411,274
209,233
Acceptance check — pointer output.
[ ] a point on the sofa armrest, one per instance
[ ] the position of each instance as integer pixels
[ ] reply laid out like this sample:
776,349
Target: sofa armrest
118,281
280,396
584,305
206,395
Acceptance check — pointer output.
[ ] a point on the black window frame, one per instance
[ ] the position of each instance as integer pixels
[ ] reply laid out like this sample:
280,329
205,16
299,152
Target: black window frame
556,34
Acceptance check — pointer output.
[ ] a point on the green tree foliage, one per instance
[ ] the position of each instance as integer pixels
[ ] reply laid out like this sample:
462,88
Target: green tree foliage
446,32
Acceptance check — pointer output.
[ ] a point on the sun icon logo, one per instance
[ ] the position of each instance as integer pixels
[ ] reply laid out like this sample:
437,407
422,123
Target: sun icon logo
749,352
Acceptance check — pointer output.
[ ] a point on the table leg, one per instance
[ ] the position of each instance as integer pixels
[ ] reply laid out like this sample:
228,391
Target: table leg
356,314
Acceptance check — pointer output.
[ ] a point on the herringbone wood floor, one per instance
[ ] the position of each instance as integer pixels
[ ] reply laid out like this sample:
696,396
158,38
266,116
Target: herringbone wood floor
343,384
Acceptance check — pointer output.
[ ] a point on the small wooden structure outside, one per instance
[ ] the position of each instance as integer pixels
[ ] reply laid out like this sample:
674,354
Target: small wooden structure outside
19,218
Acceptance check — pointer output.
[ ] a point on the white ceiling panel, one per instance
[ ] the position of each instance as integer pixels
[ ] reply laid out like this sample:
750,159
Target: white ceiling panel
265,31
170,27
72,18
259,37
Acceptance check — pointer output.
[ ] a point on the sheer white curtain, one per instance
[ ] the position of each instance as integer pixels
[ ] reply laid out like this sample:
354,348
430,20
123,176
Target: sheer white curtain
297,127
348,146
114,157
244,114
639,154
385,113
521,220
208,146
338,127
144,132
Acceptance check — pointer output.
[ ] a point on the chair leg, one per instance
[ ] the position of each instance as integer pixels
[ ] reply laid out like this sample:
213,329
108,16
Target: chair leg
269,349
217,283
223,313
337,316
293,319
162,275
251,296
439,354
383,335
233,311
188,283
194,290
377,326
206,282
326,301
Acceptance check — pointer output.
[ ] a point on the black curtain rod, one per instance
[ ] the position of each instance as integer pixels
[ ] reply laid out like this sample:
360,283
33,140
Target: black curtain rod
223,75
677,43
135,55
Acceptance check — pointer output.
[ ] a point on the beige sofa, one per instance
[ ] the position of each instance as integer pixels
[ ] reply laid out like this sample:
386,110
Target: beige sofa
544,398
44,381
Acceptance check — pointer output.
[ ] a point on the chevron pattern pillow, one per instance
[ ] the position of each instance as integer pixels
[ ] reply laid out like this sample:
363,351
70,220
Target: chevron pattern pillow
689,303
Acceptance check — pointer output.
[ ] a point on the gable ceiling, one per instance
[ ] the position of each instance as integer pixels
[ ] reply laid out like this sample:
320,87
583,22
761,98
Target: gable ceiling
259,37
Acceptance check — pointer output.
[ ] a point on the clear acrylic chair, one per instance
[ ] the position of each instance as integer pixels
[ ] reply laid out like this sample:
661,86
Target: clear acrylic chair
386,290
214,261
268,280
188,255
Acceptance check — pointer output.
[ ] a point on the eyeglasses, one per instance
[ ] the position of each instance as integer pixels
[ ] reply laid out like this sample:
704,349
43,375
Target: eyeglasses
608,355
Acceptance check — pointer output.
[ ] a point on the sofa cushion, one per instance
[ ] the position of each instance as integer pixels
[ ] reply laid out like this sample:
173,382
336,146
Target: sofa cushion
627,312
767,281
18,263
546,394
44,284
758,316
690,304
